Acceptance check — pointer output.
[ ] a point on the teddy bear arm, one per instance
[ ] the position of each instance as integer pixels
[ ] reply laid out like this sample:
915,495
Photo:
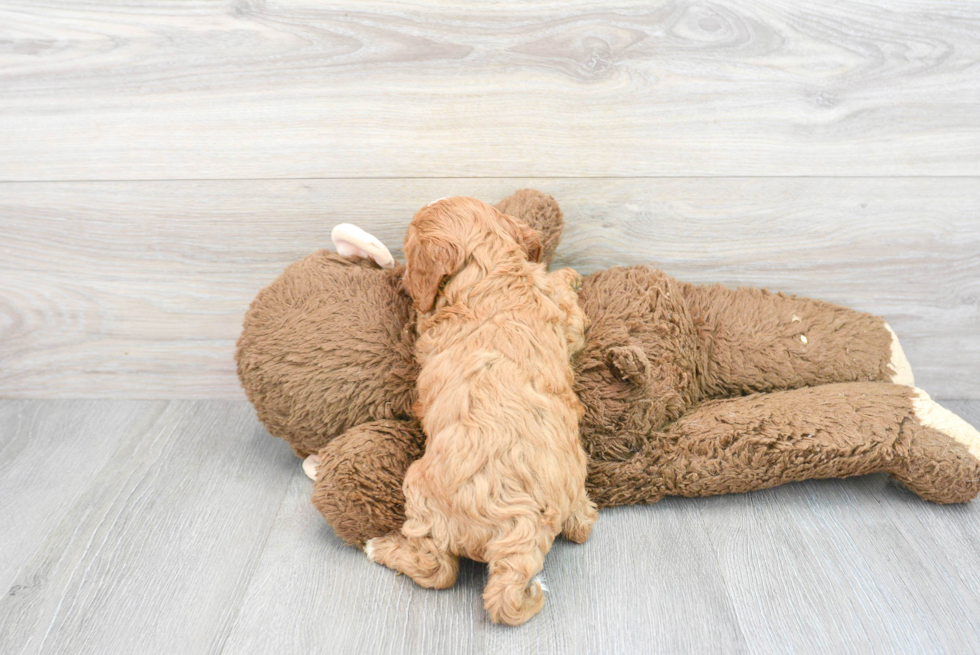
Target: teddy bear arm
358,486
764,440
752,340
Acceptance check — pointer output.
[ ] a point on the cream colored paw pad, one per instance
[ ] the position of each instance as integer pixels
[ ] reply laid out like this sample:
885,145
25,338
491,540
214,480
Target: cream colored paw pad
899,362
933,415
309,466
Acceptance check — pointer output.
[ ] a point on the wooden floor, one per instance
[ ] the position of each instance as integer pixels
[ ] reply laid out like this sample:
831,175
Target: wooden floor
162,161
182,527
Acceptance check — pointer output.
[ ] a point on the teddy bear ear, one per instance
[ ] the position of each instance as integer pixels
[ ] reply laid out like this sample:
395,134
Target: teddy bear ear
351,241
629,363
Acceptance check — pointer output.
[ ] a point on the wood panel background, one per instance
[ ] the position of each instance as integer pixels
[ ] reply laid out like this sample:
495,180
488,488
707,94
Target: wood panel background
160,162
138,289
305,88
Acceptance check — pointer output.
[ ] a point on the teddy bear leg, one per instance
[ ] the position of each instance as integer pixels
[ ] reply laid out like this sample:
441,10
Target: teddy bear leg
358,486
939,453
417,557
753,340
764,440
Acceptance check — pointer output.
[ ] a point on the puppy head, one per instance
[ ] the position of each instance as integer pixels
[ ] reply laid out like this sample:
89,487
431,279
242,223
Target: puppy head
444,234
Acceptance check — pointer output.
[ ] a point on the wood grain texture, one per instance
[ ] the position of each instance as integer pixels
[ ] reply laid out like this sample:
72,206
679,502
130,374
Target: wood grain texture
138,289
197,536
158,547
37,492
217,89
847,566
308,578
324,594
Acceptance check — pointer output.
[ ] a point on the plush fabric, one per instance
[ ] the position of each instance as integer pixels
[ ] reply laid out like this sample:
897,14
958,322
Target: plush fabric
358,488
766,439
330,343
326,347
722,446
688,390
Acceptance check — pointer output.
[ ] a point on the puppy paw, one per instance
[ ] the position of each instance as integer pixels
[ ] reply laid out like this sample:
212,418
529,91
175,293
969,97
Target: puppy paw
369,549
573,278
511,604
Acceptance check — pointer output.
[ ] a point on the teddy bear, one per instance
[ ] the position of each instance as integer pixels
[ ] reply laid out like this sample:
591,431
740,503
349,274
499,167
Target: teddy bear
689,390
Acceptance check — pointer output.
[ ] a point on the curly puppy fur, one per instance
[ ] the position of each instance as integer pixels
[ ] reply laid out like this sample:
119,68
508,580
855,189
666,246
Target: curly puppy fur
503,471
330,344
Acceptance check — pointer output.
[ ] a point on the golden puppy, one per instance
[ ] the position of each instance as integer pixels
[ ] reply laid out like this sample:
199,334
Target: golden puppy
503,471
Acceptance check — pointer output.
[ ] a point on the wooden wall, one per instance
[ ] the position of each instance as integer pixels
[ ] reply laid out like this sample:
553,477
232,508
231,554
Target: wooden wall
160,162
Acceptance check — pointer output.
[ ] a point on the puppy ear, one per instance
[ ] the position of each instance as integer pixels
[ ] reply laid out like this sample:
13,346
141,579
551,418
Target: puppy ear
528,238
430,261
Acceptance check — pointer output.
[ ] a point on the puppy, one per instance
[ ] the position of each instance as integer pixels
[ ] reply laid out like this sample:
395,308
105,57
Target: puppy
503,471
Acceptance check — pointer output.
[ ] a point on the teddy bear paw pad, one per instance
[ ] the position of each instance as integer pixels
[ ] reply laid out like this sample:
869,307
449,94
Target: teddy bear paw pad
309,466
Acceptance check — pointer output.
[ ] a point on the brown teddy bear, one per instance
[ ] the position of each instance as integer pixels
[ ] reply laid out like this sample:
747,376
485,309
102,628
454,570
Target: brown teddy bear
689,390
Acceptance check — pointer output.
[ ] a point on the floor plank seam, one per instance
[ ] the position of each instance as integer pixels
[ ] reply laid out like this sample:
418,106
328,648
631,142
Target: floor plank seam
258,558
56,615
721,572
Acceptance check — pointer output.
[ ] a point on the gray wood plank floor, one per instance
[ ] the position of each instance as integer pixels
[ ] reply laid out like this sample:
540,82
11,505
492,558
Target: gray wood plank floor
182,527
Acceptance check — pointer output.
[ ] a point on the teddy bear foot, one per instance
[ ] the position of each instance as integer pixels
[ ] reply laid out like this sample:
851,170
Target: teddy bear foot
942,463
310,465
933,415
